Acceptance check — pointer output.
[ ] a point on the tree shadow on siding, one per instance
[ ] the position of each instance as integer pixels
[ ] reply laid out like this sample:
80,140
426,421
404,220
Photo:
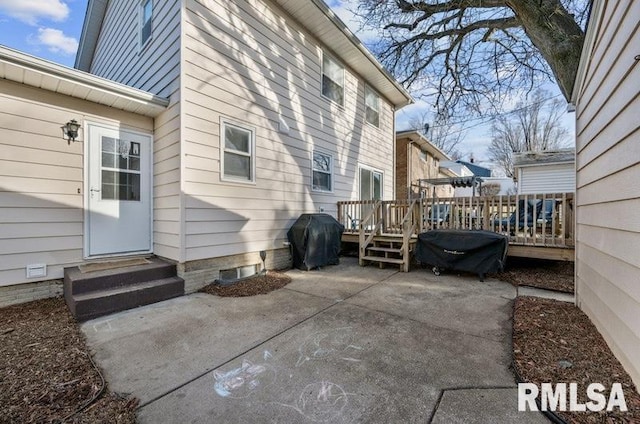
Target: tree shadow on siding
269,77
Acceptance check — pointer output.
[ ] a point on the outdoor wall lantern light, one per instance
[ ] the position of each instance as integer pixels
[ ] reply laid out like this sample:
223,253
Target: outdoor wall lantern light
70,130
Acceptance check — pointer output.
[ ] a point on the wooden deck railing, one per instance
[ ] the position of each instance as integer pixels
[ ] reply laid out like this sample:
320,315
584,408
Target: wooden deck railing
544,220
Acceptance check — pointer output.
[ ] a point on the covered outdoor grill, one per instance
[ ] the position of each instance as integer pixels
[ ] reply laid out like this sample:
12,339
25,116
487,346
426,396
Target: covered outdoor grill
315,241
479,252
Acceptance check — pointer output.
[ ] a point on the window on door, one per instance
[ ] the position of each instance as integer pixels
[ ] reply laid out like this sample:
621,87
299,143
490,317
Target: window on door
120,170
370,184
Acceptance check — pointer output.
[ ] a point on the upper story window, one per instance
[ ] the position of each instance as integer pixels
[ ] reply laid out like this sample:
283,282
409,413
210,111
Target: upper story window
332,79
372,106
238,152
322,179
423,155
146,18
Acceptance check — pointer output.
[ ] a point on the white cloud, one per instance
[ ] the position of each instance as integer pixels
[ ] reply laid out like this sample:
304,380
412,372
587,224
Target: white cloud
56,41
30,11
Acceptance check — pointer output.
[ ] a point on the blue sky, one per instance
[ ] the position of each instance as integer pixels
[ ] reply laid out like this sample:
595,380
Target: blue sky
49,29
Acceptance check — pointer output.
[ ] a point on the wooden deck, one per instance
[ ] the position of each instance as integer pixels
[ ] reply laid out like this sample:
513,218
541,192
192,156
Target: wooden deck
538,226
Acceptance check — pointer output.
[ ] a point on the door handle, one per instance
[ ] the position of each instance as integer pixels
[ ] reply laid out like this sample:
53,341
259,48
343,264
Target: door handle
93,190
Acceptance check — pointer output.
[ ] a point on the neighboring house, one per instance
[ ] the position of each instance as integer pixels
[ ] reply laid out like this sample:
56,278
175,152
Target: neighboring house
546,172
252,113
457,168
418,159
608,170
477,170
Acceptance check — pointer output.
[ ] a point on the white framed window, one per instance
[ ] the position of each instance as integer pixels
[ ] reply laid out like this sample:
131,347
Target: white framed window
238,157
146,21
322,172
371,106
423,155
332,79
371,183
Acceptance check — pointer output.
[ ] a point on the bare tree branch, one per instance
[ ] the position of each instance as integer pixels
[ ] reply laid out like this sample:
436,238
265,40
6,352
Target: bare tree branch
472,54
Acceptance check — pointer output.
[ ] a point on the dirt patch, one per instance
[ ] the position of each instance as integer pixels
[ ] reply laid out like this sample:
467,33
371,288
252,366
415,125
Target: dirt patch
46,373
550,275
555,342
260,284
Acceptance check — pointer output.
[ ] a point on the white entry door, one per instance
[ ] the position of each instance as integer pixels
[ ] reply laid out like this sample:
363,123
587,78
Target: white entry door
119,188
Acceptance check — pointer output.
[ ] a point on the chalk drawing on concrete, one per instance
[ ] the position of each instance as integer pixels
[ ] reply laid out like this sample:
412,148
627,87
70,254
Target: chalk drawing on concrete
322,401
324,344
243,381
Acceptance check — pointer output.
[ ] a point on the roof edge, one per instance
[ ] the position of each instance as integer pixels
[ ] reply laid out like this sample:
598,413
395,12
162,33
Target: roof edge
405,133
593,24
87,45
79,77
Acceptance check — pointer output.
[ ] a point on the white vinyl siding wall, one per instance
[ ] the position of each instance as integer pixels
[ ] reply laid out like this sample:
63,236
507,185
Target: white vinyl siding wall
608,193
249,61
42,179
552,178
154,68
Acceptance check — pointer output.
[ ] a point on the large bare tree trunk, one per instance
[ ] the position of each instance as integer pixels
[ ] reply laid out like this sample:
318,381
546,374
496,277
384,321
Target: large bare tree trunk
555,33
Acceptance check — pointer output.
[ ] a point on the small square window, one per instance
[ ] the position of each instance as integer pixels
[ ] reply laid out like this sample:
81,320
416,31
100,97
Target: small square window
332,79
322,172
372,106
238,152
146,25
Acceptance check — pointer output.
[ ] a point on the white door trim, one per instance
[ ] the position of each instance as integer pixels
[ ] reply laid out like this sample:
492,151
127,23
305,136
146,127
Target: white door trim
86,188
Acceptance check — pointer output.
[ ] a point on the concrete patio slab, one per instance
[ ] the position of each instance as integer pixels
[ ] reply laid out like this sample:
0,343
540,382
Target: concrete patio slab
457,303
151,350
346,364
338,282
342,344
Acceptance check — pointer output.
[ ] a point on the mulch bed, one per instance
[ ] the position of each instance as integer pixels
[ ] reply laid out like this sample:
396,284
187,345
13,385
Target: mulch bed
260,284
46,374
555,342
550,275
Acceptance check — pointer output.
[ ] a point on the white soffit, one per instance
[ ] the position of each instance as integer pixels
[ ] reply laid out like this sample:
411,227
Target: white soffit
39,73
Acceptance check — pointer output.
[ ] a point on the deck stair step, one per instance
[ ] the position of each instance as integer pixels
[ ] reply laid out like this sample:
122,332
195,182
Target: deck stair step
99,292
383,259
385,249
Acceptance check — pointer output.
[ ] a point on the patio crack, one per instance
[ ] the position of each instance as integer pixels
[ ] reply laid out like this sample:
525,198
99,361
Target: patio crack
453,389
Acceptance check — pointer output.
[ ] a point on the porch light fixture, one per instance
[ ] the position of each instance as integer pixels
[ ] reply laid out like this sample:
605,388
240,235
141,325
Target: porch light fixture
70,130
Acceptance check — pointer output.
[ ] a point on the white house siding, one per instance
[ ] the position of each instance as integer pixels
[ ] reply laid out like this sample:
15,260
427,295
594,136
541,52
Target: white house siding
608,193
41,179
251,63
156,69
551,178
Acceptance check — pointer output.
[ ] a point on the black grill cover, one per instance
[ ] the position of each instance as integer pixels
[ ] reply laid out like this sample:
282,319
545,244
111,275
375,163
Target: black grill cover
315,241
463,250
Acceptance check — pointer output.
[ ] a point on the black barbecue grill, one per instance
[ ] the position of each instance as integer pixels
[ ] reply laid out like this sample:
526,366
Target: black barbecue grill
474,251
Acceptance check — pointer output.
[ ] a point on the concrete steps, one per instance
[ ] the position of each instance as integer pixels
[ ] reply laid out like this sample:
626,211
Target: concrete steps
95,293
